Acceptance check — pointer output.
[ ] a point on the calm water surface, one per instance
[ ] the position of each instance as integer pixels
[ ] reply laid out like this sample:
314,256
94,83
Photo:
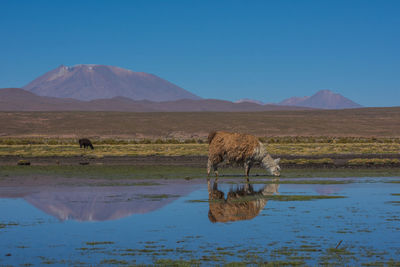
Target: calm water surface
201,222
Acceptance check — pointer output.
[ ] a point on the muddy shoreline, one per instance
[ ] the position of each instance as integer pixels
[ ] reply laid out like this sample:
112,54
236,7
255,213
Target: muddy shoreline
339,160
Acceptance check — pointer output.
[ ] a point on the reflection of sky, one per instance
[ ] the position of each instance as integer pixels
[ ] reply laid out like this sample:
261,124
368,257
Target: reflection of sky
322,222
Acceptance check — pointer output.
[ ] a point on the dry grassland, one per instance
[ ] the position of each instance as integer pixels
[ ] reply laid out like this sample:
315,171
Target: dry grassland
322,132
299,149
366,122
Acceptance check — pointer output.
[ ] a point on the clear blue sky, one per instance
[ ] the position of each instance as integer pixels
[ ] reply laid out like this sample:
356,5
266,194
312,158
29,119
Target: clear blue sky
264,50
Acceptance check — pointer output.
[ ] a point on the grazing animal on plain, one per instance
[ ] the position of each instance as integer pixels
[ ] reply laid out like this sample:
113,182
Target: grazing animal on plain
85,143
243,149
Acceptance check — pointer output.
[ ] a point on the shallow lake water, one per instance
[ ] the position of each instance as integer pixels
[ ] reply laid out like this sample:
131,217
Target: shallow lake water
347,221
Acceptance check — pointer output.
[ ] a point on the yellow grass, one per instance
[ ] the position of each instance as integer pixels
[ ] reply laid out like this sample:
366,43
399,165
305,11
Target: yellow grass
321,149
102,150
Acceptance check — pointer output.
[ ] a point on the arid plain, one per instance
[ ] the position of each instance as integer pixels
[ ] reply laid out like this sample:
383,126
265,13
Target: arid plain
368,136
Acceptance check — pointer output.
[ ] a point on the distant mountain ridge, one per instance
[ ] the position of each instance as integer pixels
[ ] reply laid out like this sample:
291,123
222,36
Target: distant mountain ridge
323,99
90,81
15,99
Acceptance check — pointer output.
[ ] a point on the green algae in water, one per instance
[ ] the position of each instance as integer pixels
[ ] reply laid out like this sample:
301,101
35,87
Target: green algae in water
273,197
340,251
391,262
179,263
339,173
300,197
111,183
106,172
396,203
180,172
95,243
4,225
114,262
157,197
300,182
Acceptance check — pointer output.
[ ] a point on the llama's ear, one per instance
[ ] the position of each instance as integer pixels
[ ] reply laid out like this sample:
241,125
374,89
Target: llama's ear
277,160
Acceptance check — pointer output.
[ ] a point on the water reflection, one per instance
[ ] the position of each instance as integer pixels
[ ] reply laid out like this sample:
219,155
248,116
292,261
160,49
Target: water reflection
243,203
98,203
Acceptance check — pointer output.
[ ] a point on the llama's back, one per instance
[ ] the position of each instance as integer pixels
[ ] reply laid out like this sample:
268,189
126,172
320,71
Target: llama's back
235,146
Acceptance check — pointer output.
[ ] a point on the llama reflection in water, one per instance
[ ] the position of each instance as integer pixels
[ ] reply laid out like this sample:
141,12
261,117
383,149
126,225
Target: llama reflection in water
241,204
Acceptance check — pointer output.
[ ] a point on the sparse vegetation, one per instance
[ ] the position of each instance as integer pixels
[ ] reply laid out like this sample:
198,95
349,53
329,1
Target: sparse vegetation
376,161
348,124
274,197
326,132
23,162
307,161
114,174
302,182
99,243
181,149
4,225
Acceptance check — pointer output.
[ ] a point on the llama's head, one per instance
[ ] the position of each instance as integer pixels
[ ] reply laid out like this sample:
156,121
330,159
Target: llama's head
272,165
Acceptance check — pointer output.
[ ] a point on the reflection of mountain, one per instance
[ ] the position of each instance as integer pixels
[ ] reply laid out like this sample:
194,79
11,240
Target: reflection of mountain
329,189
241,204
321,189
99,203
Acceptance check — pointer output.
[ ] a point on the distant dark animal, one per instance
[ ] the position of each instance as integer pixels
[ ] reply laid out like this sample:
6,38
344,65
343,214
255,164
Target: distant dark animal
84,142
243,149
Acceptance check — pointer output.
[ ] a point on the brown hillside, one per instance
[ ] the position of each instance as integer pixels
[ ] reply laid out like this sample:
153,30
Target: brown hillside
15,99
367,122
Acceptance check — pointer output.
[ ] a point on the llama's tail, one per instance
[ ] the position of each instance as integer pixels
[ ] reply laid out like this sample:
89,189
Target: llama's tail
211,136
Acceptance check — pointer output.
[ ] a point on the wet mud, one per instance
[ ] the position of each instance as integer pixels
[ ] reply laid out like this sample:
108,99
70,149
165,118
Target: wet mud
310,161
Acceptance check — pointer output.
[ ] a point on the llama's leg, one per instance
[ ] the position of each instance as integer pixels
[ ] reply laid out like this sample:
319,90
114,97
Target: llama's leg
209,164
214,164
247,167
209,188
215,167
246,186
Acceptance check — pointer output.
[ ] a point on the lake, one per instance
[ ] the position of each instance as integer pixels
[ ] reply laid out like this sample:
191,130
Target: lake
341,221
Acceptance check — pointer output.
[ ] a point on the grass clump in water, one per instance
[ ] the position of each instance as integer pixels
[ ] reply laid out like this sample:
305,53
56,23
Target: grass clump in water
95,243
302,182
178,263
339,251
158,197
4,225
300,197
114,262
